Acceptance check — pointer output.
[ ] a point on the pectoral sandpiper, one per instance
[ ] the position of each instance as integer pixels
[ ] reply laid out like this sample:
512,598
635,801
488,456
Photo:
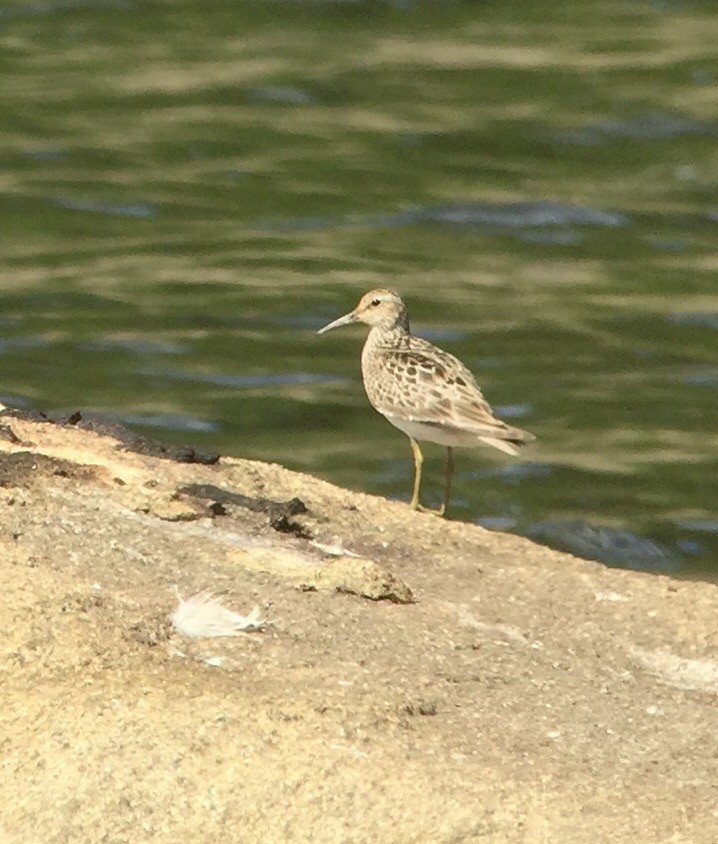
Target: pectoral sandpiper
422,390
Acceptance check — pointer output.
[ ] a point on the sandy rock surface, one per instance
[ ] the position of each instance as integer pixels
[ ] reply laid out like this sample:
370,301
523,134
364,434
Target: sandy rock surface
424,681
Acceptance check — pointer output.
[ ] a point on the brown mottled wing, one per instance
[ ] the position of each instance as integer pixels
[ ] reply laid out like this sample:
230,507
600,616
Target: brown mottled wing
431,386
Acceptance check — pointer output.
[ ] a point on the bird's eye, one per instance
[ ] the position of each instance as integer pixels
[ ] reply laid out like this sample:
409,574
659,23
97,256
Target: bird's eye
375,302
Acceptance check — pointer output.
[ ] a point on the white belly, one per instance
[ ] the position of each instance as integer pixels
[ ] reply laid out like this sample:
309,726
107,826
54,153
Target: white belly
448,436
435,433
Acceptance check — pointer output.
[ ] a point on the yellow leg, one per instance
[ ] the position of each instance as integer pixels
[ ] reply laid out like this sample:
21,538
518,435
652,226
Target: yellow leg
449,476
418,462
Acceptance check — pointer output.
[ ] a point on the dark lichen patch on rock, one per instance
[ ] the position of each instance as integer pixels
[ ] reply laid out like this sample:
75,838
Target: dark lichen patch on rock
139,443
357,576
23,469
7,433
219,501
218,495
128,439
282,524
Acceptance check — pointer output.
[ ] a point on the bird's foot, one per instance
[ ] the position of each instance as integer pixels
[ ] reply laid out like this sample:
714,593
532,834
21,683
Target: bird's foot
441,511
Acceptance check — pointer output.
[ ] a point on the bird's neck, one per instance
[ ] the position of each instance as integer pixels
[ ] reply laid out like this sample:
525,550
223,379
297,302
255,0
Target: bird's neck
387,337
395,331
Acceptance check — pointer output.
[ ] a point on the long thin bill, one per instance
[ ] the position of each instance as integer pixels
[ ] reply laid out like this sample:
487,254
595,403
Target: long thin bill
348,319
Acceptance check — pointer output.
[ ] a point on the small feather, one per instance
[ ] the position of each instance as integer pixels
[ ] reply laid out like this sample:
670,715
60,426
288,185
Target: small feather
333,550
204,616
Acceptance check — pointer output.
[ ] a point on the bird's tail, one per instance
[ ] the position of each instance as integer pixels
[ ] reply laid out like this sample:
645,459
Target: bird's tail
509,440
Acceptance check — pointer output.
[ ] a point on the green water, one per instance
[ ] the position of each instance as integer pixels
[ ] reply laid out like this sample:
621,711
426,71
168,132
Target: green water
189,189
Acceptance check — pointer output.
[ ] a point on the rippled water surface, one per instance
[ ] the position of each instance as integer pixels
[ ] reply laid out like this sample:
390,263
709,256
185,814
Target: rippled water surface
190,189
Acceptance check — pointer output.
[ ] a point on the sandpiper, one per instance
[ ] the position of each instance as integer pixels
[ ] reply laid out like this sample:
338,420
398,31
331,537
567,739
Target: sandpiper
422,390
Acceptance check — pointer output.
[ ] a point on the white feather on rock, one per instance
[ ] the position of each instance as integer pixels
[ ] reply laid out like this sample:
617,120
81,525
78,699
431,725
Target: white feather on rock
203,616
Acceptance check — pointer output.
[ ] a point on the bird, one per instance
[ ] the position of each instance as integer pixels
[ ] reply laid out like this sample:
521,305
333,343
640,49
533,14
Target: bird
422,390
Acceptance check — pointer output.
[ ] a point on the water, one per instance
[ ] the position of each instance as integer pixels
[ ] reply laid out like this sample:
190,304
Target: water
190,189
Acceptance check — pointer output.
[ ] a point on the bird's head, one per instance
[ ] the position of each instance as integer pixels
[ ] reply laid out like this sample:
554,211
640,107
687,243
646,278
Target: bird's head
377,308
